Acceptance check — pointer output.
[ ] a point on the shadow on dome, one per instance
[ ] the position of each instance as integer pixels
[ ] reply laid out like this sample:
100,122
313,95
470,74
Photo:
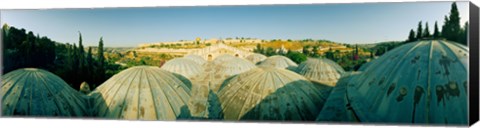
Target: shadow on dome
184,79
292,102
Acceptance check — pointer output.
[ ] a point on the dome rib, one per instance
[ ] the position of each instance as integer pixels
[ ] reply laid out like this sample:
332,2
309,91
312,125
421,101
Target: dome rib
197,59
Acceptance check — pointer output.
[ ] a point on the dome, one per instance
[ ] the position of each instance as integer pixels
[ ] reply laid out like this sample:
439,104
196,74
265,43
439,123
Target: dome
223,58
36,92
142,92
279,62
255,58
320,70
267,93
85,88
183,66
418,82
334,109
232,67
197,59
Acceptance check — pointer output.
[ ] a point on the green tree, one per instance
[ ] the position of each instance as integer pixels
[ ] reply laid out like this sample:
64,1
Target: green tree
436,32
305,50
270,51
315,51
100,74
451,29
419,31
411,36
426,33
295,56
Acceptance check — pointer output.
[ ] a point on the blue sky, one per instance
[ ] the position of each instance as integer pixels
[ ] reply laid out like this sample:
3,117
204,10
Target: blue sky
345,23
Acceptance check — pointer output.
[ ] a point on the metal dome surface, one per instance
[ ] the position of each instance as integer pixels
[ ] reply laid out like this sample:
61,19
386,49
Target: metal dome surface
419,82
37,92
183,66
197,59
223,58
267,93
142,92
255,58
278,62
320,70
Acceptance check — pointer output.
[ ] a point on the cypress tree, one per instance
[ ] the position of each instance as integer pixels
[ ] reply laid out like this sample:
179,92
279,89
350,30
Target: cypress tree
419,31
436,32
451,29
101,62
426,33
411,36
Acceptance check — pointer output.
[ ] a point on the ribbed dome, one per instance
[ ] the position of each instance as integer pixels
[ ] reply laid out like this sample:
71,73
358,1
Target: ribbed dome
223,58
279,62
232,67
197,59
320,70
419,82
268,93
142,92
183,66
36,92
255,58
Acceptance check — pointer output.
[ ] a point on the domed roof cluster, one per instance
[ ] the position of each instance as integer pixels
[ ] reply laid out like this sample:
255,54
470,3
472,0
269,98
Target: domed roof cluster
142,92
320,70
197,59
419,82
279,62
268,93
255,58
36,92
183,66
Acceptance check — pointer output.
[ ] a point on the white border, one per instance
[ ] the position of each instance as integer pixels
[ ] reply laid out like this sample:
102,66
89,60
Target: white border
88,123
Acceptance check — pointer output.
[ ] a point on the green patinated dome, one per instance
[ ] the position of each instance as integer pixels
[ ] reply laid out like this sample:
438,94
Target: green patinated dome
320,70
255,58
197,59
183,66
419,82
142,92
267,93
279,62
36,92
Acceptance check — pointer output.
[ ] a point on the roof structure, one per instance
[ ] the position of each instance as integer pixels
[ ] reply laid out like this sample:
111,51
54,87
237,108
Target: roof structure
37,92
183,66
268,93
321,70
255,58
196,58
223,58
142,92
419,82
279,62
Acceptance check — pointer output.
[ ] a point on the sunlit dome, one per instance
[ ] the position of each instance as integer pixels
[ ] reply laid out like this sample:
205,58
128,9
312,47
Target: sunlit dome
232,67
267,93
197,59
279,62
183,66
36,92
418,82
85,88
223,58
142,92
255,58
320,70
